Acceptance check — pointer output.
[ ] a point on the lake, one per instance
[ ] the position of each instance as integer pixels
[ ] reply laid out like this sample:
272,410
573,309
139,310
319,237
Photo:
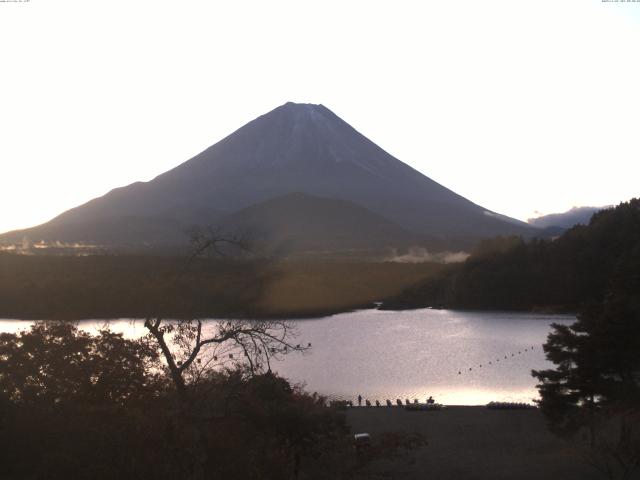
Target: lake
458,357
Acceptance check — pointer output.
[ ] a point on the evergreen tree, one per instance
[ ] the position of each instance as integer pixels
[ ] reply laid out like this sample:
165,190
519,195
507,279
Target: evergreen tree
596,383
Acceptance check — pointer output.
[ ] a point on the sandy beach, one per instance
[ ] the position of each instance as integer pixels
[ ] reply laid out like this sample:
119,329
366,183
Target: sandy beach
473,443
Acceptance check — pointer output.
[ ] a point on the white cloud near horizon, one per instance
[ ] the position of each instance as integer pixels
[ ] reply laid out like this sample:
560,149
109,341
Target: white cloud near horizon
518,106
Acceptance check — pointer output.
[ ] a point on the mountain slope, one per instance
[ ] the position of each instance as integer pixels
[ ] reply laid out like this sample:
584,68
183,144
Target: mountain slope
294,148
299,222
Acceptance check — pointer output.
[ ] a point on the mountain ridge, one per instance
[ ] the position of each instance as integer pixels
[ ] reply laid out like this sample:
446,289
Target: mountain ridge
568,219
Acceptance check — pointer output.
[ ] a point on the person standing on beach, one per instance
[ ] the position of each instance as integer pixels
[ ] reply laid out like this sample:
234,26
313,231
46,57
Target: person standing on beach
359,400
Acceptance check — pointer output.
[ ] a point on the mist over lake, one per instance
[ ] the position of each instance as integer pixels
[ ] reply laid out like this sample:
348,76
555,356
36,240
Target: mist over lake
408,354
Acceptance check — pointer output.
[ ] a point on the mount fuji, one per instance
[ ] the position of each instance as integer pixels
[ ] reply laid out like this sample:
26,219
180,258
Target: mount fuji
302,154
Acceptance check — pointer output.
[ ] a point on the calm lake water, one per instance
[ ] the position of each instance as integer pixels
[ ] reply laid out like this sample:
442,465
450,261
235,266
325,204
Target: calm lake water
409,354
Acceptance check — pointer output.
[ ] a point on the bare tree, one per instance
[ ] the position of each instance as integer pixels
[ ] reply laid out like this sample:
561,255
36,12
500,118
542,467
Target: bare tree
191,348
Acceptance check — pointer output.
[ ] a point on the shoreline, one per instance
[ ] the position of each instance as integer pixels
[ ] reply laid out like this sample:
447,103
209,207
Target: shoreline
300,316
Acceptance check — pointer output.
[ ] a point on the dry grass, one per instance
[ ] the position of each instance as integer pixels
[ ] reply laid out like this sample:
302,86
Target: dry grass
66,287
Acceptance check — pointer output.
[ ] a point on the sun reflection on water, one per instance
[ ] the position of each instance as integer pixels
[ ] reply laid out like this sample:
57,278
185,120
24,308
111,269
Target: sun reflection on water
460,358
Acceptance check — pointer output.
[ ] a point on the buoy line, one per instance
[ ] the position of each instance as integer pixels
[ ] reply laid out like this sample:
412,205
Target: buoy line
497,360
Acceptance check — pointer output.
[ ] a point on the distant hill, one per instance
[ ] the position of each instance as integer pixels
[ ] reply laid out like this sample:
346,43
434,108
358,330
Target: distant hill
295,148
568,219
298,222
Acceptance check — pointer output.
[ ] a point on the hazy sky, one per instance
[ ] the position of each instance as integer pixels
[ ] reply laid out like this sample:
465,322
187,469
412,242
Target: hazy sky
520,106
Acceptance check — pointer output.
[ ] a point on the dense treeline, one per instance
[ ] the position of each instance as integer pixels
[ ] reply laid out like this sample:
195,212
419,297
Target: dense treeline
80,406
554,275
69,287
593,392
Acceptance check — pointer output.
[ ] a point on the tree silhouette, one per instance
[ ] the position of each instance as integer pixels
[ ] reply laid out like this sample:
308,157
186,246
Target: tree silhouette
596,382
193,351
